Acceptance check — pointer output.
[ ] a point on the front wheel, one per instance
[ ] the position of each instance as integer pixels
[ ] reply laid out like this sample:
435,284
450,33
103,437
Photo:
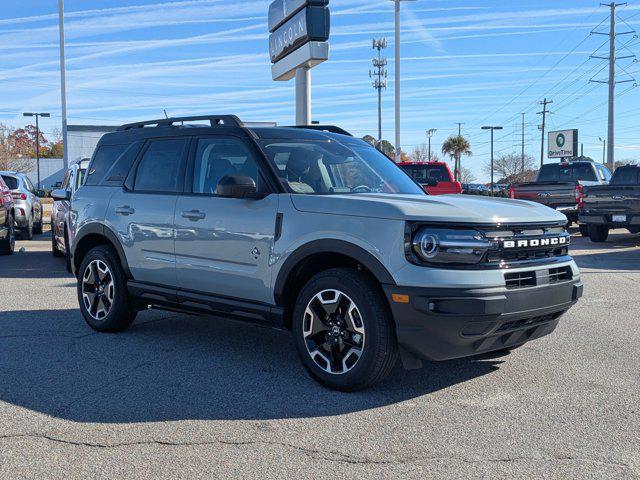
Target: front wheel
598,233
102,291
343,330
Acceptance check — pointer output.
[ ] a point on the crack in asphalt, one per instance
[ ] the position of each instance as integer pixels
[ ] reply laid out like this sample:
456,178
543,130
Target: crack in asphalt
317,454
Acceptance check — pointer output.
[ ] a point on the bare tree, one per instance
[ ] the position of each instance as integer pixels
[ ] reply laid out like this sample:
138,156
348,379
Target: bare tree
466,175
420,153
511,167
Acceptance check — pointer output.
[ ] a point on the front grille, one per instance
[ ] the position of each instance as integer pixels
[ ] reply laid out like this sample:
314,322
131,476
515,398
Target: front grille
520,279
527,322
533,278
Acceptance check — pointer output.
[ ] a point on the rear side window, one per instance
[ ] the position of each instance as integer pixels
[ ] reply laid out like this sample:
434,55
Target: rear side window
425,173
12,182
104,158
160,167
571,172
626,176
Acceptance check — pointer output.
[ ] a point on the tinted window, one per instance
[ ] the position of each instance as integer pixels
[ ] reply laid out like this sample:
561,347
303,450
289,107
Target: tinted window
626,176
12,182
425,173
219,157
104,158
159,169
604,172
570,172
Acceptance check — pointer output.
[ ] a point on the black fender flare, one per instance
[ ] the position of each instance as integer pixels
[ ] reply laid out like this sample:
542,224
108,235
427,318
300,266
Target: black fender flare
342,247
100,229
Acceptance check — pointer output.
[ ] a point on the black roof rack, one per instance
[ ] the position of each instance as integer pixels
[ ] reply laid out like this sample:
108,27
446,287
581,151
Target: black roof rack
324,128
214,120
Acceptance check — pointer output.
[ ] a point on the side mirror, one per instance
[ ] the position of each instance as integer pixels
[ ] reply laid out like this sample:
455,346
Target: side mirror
236,186
61,194
432,183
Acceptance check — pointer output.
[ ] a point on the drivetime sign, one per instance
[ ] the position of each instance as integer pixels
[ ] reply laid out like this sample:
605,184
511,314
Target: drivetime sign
563,144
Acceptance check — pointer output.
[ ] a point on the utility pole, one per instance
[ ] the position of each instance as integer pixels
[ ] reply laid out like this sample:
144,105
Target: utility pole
492,129
398,154
430,133
380,82
457,166
63,86
37,115
611,81
544,112
522,150
459,128
604,150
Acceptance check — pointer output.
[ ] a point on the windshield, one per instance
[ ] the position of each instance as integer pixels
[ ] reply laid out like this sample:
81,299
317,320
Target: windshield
426,173
328,167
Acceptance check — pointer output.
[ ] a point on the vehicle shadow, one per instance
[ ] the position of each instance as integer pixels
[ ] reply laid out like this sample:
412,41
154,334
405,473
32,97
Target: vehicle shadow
180,367
32,264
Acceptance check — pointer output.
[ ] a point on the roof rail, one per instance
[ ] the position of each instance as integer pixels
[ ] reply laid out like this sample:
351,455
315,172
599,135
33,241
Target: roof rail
324,128
215,120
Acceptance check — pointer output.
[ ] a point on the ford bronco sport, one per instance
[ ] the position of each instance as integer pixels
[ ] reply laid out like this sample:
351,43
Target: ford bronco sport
313,231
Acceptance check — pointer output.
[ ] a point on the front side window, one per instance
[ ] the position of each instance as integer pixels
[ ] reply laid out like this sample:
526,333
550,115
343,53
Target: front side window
329,167
160,167
220,157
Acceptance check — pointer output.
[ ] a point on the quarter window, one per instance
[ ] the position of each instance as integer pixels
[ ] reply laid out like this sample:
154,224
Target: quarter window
159,169
103,160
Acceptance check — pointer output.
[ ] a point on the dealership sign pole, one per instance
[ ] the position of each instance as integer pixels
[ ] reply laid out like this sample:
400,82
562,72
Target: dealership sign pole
299,30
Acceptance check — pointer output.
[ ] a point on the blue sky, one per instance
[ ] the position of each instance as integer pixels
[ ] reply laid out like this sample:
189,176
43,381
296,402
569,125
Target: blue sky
477,62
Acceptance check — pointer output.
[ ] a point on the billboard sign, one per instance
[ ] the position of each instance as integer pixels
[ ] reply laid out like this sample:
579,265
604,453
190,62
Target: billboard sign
309,24
563,144
282,10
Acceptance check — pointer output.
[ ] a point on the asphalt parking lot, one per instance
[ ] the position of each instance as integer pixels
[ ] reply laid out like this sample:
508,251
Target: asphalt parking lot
189,397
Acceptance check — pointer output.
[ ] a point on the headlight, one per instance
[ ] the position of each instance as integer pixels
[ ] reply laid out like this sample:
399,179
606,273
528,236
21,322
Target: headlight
449,246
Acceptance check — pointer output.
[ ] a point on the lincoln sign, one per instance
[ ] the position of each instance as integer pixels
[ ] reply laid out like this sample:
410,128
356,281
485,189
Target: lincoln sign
563,144
299,30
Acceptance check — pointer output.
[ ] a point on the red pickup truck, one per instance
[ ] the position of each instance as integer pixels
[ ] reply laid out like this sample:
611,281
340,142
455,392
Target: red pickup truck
435,177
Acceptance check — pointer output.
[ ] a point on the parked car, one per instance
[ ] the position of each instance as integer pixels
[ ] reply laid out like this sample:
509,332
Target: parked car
61,208
476,189
560,186
616,205
316,232
27,205
435,177
7,232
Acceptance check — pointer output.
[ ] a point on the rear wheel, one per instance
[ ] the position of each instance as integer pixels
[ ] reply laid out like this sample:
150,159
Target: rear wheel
598,233
8,243
27,232
343,330
102,291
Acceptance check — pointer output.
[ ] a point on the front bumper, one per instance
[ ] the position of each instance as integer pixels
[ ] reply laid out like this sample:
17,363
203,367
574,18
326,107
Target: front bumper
446,323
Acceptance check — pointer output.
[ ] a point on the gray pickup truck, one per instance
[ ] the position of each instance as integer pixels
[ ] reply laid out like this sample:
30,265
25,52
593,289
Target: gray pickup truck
560,186
616,205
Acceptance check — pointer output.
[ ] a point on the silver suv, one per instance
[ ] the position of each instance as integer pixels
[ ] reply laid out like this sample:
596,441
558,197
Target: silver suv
316,232
28,207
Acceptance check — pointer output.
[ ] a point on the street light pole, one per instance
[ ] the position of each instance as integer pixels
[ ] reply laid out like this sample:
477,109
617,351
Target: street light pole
37,115
397,76
492,129
430,133
604,150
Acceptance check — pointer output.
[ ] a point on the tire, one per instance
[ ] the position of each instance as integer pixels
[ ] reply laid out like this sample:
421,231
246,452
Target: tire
67,252
112,311
584,230
598,233
8,244
27,232
54,245
372,349
37,227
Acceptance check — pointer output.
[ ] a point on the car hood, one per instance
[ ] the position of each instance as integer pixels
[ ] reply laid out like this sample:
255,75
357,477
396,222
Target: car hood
441,208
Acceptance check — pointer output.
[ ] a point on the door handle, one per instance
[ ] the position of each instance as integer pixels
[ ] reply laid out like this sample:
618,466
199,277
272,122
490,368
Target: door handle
194,215
125,210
